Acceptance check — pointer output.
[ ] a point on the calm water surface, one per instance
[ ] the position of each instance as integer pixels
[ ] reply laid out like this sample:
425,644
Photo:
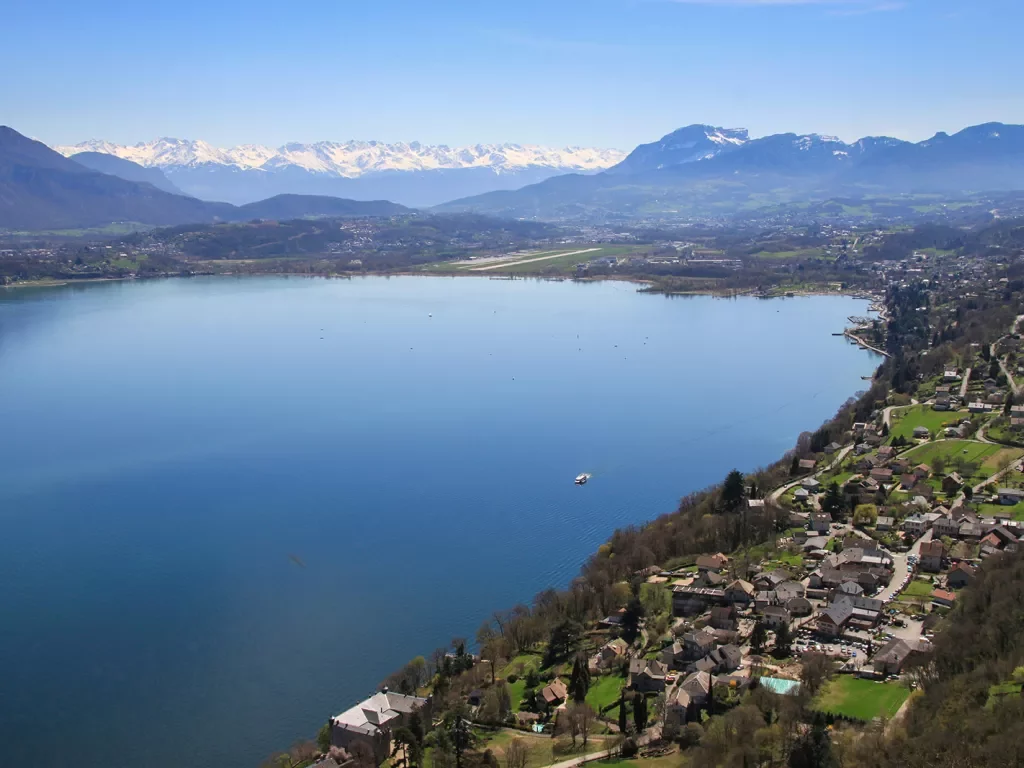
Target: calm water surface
229,507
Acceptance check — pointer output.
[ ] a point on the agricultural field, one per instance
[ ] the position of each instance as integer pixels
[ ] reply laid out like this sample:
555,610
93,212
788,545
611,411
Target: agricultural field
861,699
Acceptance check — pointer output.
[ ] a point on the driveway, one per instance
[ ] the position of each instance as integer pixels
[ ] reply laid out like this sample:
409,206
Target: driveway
901,569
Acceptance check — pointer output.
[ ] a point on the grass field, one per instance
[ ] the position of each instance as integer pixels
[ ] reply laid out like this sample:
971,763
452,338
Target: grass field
541,747
984,456
604,691
809,253
904,420
918,588
861,699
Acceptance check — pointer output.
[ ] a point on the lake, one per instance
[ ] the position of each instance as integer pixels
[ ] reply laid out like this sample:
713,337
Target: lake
230,507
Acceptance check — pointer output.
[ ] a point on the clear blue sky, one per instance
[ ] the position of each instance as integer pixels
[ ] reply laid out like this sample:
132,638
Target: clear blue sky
588,72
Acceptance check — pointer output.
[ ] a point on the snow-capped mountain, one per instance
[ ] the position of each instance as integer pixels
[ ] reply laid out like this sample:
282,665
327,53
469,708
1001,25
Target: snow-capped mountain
249,172
354,158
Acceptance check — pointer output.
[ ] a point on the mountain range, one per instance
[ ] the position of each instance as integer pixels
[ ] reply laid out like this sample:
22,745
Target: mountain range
412,174
41,189
707,170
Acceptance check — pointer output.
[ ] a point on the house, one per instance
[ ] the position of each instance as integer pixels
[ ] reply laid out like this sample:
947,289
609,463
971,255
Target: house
698,644
807,465
916,524
886,452
698,686
943,597
962,575
969,530
740,591
810,485
646,676
554,694
931,556
609,653
883,476
832,448
979,407
1010,496
769,580
891,657
714,563
899,466
921,433
945,526
942,403
832,621
787,590
884,523
952,483
821,522
373,720
674,656
950,375
776,616
799,606
908,480
723,617
727,658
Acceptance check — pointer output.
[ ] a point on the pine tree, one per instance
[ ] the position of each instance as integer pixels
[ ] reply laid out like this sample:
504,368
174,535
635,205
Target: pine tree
758,637
640,712
579,680
623,713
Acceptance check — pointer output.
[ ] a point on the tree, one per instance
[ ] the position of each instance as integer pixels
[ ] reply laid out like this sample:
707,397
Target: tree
758,637
816,669
579,680
623,713
814,749
885,430
783,640
323,738
1008,405
832,501
405,740
732,490
497,704
794,466
865,514
640,712
631,619
565,638
517,753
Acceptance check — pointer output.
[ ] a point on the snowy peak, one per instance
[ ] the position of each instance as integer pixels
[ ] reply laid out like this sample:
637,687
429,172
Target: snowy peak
353,158
687,145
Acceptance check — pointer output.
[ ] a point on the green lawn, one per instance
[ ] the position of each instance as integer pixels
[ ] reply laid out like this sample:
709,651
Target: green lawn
1016,511
521,664
918,588
604,691
904,420
953,451
515,692
861,699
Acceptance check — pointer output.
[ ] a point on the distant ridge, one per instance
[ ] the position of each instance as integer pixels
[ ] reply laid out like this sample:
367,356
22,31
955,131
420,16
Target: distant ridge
41,189
707,170
125,169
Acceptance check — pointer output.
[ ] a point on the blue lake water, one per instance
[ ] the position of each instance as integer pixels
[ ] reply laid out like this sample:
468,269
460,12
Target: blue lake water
229,507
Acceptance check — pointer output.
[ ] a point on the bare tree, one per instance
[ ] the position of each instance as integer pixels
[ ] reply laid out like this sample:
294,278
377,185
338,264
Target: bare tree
517,754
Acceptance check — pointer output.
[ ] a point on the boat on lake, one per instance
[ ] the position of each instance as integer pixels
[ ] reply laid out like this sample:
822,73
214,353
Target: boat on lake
582,479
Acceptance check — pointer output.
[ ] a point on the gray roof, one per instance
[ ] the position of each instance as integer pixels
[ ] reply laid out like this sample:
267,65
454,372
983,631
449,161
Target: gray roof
369,715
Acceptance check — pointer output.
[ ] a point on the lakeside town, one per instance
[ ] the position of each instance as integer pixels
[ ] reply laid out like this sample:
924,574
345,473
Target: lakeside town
818,615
